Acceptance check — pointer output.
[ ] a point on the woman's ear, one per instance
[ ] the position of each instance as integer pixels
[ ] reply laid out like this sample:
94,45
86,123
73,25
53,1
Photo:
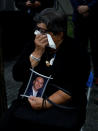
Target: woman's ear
61,34
58,36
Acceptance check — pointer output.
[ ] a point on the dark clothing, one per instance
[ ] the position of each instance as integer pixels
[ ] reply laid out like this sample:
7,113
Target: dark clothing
70,72
20,4
63,66
92,4
86,29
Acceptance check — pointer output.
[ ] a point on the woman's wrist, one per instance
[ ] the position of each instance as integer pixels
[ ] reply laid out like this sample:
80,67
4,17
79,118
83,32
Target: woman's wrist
34,59
36,55
46,104
39,51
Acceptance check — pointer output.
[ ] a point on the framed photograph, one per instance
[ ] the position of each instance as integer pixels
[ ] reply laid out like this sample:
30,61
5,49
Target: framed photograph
36,85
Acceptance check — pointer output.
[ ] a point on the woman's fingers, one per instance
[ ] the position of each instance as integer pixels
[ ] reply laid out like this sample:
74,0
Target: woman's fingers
41,40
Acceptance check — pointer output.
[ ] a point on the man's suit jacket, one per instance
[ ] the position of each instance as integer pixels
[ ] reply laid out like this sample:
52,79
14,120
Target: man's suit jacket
30,92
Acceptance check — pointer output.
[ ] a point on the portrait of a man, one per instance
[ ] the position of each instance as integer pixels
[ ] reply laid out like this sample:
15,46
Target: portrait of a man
36,87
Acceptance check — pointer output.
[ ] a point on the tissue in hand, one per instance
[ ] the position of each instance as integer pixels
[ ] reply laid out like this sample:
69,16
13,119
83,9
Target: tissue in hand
50,40
36,32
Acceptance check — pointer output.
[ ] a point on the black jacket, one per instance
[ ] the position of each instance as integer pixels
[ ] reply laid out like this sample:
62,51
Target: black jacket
70,70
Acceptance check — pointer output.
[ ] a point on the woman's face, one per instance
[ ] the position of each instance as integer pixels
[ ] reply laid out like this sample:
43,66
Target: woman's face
56,38
38,83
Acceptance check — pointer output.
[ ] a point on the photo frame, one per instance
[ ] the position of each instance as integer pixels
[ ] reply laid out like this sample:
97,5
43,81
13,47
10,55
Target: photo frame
36,85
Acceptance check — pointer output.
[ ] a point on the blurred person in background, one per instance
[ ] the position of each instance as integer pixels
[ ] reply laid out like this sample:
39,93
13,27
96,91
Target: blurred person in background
33,6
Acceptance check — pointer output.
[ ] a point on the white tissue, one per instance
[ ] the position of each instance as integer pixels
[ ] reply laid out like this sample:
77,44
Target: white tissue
50,40
36,32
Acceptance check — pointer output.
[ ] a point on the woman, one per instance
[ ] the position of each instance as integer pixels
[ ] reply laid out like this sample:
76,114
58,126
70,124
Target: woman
63,105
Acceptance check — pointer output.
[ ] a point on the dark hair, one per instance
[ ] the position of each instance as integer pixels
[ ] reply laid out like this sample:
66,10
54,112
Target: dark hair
55,21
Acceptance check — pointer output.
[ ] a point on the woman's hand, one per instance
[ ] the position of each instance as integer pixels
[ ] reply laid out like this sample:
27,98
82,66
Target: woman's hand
82,9
41,42
28,3
37,4
35,102
59,97
33,5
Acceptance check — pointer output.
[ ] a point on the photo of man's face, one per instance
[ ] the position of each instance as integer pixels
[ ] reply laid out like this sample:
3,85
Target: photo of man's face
38,83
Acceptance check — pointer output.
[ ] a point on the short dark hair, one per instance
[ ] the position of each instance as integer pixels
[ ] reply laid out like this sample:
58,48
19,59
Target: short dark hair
55,21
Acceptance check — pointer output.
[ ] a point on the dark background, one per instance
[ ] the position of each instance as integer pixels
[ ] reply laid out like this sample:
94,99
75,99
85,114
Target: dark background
16,29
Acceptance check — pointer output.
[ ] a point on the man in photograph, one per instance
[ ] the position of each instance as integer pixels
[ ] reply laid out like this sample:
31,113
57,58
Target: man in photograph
36,88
